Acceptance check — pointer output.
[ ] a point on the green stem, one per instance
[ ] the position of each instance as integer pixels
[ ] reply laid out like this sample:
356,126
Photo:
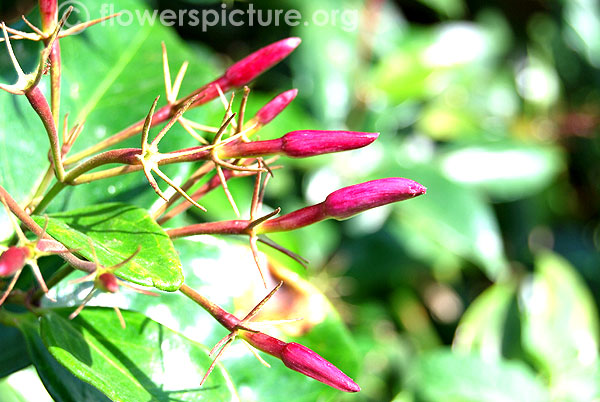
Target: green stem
41,207
41,188
105,174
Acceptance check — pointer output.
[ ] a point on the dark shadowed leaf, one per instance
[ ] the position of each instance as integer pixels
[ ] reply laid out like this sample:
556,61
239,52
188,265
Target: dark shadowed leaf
59,382
13,352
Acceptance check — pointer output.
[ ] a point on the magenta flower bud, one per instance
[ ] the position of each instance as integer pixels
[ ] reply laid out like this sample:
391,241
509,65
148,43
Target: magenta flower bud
247,69
303,360
250,67
347,202
13,260
300,144
275,106
107,282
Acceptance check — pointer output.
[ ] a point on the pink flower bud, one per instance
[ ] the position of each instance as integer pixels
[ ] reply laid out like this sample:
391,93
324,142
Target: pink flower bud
247,69
300,144
107,282
347,202
275,106
13,260
303,360
255,64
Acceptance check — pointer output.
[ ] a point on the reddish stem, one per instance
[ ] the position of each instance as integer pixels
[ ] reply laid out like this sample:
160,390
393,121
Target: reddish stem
233,227
49,14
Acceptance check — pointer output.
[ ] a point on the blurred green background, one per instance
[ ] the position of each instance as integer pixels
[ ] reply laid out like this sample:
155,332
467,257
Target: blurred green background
486,288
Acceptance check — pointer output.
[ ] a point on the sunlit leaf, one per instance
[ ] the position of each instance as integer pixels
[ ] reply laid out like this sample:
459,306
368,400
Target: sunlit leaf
560,328
145,361
13,352
454,217
111,72
481,327
116,231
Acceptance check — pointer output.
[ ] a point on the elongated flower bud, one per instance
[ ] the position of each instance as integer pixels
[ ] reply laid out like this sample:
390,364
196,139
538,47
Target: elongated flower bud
247,69
13,260
256,63
347,202
275,106
303,360
301,144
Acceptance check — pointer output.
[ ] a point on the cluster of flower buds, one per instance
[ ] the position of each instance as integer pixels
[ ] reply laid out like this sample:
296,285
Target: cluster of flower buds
230,153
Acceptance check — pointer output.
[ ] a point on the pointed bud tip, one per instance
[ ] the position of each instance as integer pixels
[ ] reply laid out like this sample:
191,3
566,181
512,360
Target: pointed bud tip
292,42
305,143
305,361
349,201
275,106
247,69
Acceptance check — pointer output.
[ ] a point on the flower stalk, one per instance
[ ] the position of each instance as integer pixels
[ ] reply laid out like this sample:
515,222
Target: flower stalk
295,356
339,205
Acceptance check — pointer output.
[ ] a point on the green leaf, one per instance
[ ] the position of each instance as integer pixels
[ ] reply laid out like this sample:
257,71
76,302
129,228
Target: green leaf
13,352
59,382
481,327
455,218
560,328
505,170
445,376
145,361
116,230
